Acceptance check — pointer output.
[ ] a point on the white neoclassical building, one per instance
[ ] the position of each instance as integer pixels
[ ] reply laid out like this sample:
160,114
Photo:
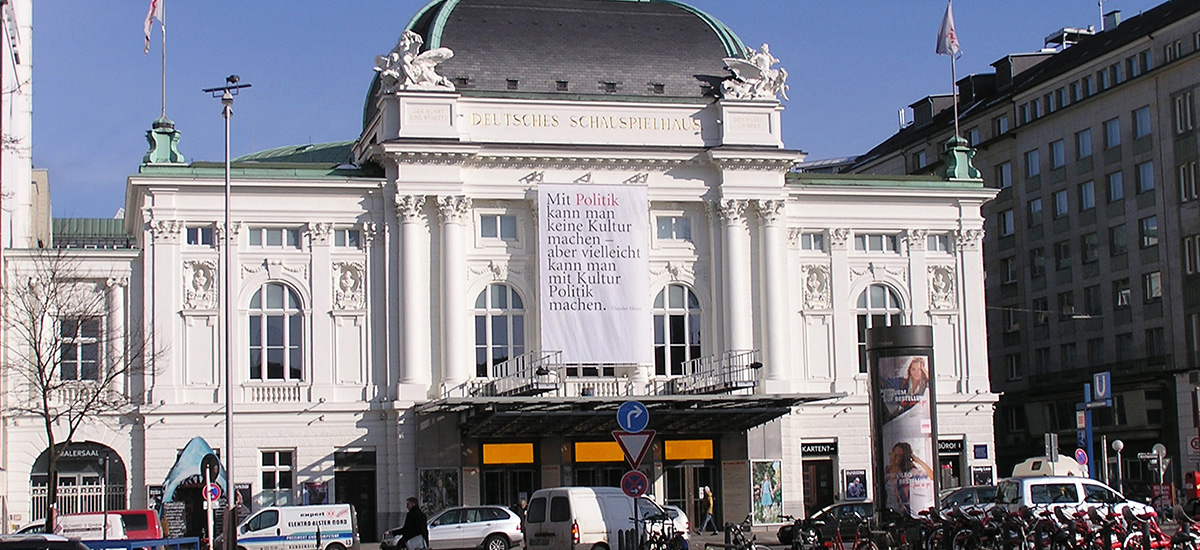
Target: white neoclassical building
527,234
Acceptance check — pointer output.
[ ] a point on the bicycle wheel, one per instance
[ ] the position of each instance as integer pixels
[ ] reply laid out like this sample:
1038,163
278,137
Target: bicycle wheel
965,539
938,538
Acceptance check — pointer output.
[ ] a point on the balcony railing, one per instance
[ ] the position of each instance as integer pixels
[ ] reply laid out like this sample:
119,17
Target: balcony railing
727,372
73,499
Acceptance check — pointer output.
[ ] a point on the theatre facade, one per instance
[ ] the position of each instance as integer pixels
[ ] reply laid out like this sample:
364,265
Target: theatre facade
554,207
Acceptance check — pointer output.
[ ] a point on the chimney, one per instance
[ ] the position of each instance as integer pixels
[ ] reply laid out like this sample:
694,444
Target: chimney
1112,19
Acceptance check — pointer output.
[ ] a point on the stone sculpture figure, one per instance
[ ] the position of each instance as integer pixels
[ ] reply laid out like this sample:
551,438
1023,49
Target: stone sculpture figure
753,78
407,67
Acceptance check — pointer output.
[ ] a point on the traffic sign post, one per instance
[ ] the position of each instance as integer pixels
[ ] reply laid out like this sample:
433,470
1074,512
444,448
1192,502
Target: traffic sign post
633,417
634,483
634,445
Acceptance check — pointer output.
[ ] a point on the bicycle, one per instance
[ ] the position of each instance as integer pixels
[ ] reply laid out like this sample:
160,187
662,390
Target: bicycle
735,534
658,533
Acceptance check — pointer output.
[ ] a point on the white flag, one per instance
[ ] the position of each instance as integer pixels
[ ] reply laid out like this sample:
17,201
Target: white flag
947,43
155,12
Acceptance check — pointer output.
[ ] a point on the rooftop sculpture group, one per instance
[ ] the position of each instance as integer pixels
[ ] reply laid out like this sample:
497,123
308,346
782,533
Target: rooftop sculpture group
407,67
753,78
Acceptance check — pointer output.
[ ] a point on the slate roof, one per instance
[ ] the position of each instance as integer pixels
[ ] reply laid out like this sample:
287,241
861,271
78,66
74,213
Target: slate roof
601,49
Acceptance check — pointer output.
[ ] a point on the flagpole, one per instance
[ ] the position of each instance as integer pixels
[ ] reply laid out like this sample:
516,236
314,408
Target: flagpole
163,23
954,87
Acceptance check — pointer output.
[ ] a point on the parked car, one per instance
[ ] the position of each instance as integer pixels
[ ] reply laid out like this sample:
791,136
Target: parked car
969,497
486,527
843,517
39,542
680,519
1056,491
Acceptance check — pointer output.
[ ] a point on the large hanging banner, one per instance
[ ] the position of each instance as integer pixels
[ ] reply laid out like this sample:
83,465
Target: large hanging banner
593,248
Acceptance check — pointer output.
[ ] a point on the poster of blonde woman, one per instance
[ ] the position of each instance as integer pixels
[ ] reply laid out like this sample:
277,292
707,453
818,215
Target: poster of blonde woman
767,501
907,433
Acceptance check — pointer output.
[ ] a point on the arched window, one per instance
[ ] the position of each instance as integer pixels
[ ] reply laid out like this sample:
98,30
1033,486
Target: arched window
878,306
499,327
276,334
676,329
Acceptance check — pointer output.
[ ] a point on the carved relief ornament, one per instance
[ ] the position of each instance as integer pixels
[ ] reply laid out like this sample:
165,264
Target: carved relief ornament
349,293
817,294
942,294
200,288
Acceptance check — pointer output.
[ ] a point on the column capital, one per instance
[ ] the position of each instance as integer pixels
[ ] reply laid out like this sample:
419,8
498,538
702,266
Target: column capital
771,210
319,232
166,230
117,282
369,231
219,234
968,239
454,208
916,238
838,238
732,211
409,207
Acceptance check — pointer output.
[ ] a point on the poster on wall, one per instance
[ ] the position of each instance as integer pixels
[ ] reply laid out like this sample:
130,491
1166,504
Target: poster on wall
593,249
439,489
316,492
907,433
767,501
982,475
855,483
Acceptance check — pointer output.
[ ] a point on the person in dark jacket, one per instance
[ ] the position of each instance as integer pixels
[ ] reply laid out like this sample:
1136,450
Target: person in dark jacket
415,525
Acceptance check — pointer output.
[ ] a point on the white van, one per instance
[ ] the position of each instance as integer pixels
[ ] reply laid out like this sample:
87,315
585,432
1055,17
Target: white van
323,527
582,518
1061,491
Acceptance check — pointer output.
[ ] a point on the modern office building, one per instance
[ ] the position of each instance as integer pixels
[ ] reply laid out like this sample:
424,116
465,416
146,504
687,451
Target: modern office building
1091,244
526,235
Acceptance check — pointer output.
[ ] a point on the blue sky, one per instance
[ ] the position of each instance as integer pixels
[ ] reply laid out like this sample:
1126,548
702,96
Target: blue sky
852,64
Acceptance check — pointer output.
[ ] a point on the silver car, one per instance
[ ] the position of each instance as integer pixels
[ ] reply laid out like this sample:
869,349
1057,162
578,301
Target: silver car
486,527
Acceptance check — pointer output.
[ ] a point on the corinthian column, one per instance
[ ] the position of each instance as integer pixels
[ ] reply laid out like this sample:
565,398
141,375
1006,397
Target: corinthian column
456,347
414,292
738,317
775,296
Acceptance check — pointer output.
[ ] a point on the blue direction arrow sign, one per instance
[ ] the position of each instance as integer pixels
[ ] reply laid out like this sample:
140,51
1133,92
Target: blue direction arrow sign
633,417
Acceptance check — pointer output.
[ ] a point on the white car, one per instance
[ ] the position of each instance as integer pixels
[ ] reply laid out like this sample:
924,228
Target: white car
486,527
680,519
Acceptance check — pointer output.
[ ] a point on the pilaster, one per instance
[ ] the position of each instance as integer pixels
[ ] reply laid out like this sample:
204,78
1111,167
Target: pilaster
454,210
739,330
775,300
414,293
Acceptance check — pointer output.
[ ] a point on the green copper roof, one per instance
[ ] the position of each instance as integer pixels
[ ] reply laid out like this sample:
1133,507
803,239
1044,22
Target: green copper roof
337,152
874,180
89,227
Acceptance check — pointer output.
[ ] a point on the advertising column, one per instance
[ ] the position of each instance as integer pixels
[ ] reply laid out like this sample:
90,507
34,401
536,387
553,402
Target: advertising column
903,427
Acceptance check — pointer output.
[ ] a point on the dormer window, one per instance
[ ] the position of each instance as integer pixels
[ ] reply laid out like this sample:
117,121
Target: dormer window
609,87
513,83
561,85
462,81
658,88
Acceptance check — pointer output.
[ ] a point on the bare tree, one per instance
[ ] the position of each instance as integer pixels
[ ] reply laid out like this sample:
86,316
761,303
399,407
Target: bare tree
65,362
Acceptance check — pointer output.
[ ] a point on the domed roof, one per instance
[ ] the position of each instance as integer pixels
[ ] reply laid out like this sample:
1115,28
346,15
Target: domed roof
577,48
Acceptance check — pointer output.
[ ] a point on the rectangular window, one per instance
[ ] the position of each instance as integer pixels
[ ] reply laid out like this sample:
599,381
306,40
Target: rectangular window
1037,262
1089,86
1090,247
202,235
1149,231
1058,154
938,242
973,137
1062,255
1117,243
1051,105
1185,174
876,242
347,238
1012,320
1118,72
1087,195
1172,51
1066,304
1096,352
1083,143
1184,119
1147,60
1112,133
1059,199
1133,66
1003,175
1076,92
919,160
1041,311
1014,366
1009,270
1191,254
812,241
1035,212
1069,357
677,228
1103,80
1000,124
278,477
498,226
1121,293
1006,223
1032,166
1091,300
1145,176
1116,186
1141,122
275,237
1152,286
1124,345
1041,360
80,353
1155,345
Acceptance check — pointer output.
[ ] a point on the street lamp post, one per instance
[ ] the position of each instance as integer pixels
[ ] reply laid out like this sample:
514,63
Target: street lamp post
229,524
1117,445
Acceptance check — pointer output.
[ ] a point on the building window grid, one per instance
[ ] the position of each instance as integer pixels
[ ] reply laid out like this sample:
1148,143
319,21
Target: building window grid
79,355
1152,286
1116,186
1014,367
1172,51
1012,319
1117,242
1186,175
1041,311
1010,270
1037,262
1032,166
276,334
1087,195
1112,133
275,237
676,329
1060,203
1141,122
1062,255
1035,212
1191,254
879,242
1121,293
1058,154
201,235
499,327
498,226
1007,224
1083,144
1003,175
1145,176
347,238
1148,231
1092,300
1090,248
674,228
1184,116
877,306
812,241
938,242
278,477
